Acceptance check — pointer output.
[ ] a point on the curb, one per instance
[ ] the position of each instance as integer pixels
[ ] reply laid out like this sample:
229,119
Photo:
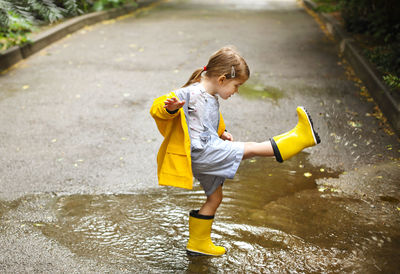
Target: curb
387,101
15,54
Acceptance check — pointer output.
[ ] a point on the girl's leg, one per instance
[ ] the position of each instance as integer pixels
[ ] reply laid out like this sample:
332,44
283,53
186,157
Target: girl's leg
200,223
287,144
252,149
213,201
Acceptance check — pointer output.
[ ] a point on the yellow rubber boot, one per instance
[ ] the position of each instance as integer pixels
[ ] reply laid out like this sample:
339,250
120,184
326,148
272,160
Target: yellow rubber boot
292,142
200,236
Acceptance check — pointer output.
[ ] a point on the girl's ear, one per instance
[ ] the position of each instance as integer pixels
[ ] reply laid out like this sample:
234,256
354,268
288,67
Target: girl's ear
221,79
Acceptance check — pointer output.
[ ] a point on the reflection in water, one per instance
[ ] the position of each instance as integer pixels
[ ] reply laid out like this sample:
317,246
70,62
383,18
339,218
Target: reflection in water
273,218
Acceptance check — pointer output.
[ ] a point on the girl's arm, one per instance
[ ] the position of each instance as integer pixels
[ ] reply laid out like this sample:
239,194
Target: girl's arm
166,106
173,104
226,136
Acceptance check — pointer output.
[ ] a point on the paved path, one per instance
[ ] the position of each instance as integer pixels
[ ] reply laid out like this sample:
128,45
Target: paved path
75,117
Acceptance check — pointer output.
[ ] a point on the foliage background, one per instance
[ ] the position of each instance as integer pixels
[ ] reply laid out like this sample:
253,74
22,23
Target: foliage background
18,18
376,25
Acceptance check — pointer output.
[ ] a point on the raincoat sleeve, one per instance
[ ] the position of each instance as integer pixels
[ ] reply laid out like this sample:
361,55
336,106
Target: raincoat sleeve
160,114
158,111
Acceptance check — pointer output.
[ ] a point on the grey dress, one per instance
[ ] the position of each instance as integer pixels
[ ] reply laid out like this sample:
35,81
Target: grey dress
213,159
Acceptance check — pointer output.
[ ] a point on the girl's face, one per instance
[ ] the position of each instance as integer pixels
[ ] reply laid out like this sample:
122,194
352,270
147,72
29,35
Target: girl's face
227,87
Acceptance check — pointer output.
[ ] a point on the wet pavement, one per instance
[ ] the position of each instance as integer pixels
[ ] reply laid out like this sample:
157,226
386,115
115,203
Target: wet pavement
78,187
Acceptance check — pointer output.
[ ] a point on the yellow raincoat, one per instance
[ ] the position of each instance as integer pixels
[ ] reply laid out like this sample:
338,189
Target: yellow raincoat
174,165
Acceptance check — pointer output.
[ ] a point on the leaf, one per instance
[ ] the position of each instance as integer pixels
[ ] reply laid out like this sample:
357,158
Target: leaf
354,124
307,174
25,87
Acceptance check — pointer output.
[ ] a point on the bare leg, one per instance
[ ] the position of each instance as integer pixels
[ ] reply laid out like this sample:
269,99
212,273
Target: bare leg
213,201
252,149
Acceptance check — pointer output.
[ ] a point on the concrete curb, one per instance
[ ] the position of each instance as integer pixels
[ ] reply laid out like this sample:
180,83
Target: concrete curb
15,54
388,102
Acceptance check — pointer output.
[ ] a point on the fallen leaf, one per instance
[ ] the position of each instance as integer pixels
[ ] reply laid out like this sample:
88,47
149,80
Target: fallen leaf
322,170
354,124
307,174
25,87
54,140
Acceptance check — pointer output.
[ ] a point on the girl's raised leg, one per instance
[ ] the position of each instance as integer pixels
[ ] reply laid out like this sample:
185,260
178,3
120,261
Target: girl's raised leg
252,149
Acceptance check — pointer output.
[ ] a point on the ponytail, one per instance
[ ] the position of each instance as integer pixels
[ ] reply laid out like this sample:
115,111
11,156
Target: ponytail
196,76
226,61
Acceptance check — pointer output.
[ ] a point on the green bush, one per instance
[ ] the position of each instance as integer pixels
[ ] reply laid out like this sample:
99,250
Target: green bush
18,17
378,18
15,32
379,22
392,81
328,5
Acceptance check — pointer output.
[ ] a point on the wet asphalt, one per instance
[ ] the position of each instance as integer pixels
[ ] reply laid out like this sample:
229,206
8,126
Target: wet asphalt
75,117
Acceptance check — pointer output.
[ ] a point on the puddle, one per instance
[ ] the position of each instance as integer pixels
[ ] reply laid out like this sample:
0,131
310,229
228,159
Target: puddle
273,219
257,91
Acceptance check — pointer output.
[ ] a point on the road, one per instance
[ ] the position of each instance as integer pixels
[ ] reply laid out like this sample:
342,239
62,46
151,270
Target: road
75,119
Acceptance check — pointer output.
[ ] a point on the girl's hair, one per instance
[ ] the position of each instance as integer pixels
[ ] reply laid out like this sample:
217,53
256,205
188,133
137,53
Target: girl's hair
226,61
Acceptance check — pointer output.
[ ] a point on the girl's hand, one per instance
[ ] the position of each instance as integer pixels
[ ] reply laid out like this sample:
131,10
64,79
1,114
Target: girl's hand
227,136
173,103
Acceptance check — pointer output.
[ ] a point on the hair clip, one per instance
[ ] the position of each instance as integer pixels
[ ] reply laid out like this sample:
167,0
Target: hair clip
233,74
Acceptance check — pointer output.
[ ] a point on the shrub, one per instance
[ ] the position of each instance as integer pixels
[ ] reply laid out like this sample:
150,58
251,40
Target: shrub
17,17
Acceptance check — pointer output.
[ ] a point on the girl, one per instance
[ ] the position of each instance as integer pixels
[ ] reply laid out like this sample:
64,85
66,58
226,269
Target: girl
197,144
